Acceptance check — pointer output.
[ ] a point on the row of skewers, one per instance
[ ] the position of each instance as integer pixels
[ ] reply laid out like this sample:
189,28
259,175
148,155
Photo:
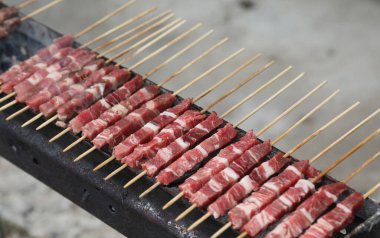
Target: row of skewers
113,108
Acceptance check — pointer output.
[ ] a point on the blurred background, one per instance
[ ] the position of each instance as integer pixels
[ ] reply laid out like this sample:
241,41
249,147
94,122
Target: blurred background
338,41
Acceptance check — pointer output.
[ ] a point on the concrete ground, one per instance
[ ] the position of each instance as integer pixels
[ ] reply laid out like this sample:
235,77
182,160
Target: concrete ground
336,41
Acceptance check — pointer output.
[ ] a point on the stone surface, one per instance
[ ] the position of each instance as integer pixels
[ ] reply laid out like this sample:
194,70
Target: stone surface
336,41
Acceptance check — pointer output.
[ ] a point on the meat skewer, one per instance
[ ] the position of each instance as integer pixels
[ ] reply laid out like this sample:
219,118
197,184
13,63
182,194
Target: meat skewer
318,202
99,142
233,73
211,49
9,19
237,169
315,158
19,68
242,83
42,114
252,76
132,68
204,173
175,171
117,65
256,177
339,217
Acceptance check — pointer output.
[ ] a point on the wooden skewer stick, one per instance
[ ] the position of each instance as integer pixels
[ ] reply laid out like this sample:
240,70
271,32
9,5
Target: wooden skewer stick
319,106
50,120
59,135
269,99
347,134
33,119
167,45
192,62
254,93
25,4
361,167
371,191
348,154
8,96
116,28
141,49
105,18
19,112
222,230
208,91
72,145
40,10
291,108
212,69
8,105
137,35
134,29
176,93
241,84
321,129
179,53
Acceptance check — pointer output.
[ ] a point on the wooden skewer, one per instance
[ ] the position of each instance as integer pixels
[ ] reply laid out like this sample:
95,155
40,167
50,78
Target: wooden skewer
59,135
167,45
257,91
222,230
361,167
192,62
371,191
321,129
212,69
319,106
345,156
72,145
40,10
150,43
176,93
50,120
178,54
241,84
137,35
116,28
7,97
279,92
355,128
84,154
195,100
33,119
8,105
134,29
19,112
25,4
291,108
105,18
